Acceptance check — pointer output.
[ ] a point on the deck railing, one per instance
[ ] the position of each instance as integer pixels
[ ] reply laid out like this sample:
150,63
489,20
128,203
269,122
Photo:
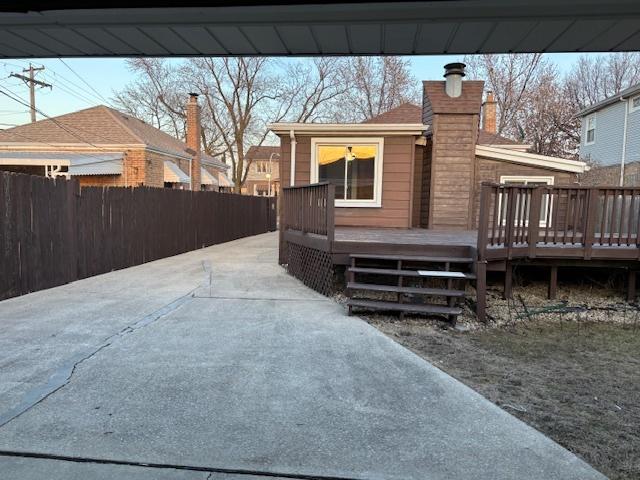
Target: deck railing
518,221
309,209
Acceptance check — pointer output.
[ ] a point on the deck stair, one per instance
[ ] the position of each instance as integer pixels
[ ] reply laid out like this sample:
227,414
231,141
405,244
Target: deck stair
431,285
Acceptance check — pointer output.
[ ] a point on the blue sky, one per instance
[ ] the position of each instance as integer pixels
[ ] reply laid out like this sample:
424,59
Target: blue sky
70,92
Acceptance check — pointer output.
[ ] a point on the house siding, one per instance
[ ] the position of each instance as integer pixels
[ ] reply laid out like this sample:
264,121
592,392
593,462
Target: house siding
397,182
607,148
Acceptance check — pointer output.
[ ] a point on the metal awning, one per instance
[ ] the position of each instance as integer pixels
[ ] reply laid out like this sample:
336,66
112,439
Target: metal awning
173,174
78,163
224,181
206,178
246,27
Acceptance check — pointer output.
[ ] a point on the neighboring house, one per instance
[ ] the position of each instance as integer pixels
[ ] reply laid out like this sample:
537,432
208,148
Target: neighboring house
101,146
263,177
610,134
416,166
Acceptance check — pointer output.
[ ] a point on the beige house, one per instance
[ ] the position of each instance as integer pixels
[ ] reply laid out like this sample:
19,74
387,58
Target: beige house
101,146
263,177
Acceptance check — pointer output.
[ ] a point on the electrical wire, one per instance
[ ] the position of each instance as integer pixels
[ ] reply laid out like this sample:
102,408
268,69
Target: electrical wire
83,81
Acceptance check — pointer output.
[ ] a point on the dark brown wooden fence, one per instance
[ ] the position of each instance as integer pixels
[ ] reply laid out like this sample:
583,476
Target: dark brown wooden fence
52,232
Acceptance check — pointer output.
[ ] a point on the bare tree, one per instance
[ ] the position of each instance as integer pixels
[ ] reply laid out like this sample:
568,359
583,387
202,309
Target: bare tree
593,78
511,78
376,85
311,90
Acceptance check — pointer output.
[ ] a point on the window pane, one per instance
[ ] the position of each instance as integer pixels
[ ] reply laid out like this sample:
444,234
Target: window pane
636,102
331,163
361,161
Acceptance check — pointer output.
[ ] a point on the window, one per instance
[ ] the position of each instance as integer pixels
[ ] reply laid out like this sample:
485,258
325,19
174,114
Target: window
545,208
590,135
635,104
353,165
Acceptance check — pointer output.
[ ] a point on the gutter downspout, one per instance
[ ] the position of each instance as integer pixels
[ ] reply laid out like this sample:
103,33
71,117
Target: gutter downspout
624,140
292,178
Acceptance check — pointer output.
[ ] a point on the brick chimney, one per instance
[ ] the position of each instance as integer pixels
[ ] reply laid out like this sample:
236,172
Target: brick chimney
489,114
193,139
452,110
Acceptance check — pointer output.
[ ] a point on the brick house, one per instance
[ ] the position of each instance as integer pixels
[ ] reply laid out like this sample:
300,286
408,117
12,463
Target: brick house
417,166
101,146
263,177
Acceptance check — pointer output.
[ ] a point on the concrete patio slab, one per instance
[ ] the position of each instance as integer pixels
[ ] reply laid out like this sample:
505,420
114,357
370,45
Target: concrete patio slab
257,373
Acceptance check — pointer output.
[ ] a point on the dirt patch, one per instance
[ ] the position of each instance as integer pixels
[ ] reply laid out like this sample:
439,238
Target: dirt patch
576,381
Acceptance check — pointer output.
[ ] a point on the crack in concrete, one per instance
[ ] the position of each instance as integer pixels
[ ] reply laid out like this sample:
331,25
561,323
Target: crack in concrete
193,468
62,375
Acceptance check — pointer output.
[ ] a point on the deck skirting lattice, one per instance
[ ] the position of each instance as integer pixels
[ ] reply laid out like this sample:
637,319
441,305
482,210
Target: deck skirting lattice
311,266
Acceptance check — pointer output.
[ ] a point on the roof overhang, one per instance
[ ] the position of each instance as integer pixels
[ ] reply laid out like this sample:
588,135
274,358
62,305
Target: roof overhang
207,179
531,159
520,147
248,27
173,173
386,129
622,96
78,163
224,181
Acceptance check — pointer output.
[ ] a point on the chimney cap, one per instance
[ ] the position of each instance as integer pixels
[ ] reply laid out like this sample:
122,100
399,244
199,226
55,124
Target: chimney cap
194,94
456,68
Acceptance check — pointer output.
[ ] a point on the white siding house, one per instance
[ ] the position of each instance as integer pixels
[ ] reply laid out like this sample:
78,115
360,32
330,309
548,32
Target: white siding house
610,130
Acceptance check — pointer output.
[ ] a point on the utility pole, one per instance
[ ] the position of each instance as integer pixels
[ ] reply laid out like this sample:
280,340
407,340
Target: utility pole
32,82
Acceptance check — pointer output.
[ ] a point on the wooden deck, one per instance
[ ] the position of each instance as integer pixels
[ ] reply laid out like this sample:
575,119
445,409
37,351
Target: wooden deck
414,241
545,225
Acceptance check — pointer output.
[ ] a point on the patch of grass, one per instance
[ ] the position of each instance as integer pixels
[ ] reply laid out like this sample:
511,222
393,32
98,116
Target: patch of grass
577,382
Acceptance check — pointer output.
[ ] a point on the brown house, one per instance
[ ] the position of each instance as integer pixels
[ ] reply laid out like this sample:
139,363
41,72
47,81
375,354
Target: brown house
263,177
416,166
102,146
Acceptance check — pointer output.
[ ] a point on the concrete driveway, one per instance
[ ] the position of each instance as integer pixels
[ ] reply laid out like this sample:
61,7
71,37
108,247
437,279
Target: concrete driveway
216,364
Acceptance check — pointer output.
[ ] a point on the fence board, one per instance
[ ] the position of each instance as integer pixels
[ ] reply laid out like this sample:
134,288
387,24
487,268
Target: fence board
52,233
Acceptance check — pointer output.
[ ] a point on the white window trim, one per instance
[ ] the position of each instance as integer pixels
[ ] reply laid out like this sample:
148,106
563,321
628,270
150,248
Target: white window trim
586,129
631,107
525,179
377,171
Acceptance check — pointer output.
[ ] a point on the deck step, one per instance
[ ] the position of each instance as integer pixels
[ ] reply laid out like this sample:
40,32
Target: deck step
444,292
414,273
414,258
404,307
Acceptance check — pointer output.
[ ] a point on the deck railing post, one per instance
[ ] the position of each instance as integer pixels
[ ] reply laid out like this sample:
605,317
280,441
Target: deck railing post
483,220
330,212
510,219
481,264
533,228
590,227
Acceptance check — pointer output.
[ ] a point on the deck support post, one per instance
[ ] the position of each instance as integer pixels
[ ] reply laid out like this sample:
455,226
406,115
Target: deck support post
508,281
631,286
553,282
481,290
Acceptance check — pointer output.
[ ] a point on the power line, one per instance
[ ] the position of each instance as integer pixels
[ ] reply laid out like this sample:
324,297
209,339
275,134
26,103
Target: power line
84,81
